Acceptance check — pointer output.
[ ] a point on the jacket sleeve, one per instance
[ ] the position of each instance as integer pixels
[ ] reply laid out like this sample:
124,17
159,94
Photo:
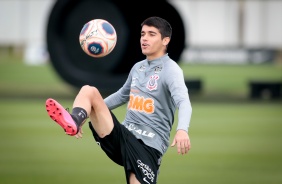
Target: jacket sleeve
179,93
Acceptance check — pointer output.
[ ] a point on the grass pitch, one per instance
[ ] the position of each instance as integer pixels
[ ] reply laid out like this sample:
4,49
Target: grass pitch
231,143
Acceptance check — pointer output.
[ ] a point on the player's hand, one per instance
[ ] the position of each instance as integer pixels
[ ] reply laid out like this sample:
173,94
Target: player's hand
182,140
79,134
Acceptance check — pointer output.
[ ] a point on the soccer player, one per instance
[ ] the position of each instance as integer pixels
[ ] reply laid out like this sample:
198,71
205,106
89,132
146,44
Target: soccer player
153,91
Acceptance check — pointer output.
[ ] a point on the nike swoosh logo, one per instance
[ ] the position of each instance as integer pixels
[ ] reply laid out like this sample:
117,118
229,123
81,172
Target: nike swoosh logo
144,179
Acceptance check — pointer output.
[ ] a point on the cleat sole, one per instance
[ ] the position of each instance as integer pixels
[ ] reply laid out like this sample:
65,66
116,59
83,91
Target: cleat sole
62,117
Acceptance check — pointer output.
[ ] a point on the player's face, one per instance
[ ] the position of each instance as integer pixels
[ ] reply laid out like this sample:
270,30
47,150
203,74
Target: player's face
152,44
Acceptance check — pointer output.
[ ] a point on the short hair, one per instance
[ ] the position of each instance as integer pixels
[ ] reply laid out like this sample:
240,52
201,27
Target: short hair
161,24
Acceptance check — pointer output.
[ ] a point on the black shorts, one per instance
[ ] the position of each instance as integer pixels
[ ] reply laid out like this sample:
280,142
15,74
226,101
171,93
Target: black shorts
122,147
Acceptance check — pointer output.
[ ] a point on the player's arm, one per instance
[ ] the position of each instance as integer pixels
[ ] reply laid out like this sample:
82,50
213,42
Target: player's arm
181,138
179,93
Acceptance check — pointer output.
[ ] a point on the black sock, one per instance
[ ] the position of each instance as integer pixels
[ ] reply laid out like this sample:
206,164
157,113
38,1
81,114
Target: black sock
79,115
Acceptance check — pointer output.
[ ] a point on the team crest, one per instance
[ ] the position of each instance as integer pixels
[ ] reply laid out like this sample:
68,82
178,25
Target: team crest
152,83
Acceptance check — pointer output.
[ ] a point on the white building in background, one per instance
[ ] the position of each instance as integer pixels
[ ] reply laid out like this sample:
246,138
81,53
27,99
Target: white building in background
225,23
23,24
231,30
216,29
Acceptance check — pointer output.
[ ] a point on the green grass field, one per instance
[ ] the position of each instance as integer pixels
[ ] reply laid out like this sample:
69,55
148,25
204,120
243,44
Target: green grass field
233,141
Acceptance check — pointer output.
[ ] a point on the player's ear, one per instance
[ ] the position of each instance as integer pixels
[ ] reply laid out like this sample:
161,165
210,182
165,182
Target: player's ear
166,40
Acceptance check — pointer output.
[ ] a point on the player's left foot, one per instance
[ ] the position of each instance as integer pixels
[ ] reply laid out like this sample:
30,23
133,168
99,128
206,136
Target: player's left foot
61,116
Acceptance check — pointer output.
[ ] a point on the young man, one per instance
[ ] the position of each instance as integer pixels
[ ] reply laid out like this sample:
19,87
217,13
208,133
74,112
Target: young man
154,88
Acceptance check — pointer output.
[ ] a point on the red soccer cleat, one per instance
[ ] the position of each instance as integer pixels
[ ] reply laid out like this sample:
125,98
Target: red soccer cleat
61,116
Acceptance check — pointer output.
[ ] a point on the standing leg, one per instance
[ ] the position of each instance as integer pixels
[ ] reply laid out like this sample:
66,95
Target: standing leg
133,179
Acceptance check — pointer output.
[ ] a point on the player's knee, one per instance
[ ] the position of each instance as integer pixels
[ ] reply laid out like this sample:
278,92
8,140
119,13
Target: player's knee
89,89
86,89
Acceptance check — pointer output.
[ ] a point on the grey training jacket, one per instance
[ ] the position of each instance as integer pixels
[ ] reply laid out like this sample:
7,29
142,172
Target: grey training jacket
153,91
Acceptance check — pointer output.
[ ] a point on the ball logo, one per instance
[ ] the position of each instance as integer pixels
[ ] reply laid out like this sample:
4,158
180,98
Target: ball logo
95,48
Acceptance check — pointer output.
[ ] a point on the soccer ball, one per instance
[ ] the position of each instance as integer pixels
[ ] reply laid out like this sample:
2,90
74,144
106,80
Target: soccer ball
98,38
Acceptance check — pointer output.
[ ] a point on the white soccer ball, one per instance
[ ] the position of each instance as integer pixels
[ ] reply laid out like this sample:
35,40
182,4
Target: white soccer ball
98,38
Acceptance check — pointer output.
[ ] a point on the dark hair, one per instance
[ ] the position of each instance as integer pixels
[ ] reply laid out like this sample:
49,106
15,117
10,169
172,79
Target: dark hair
161,24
